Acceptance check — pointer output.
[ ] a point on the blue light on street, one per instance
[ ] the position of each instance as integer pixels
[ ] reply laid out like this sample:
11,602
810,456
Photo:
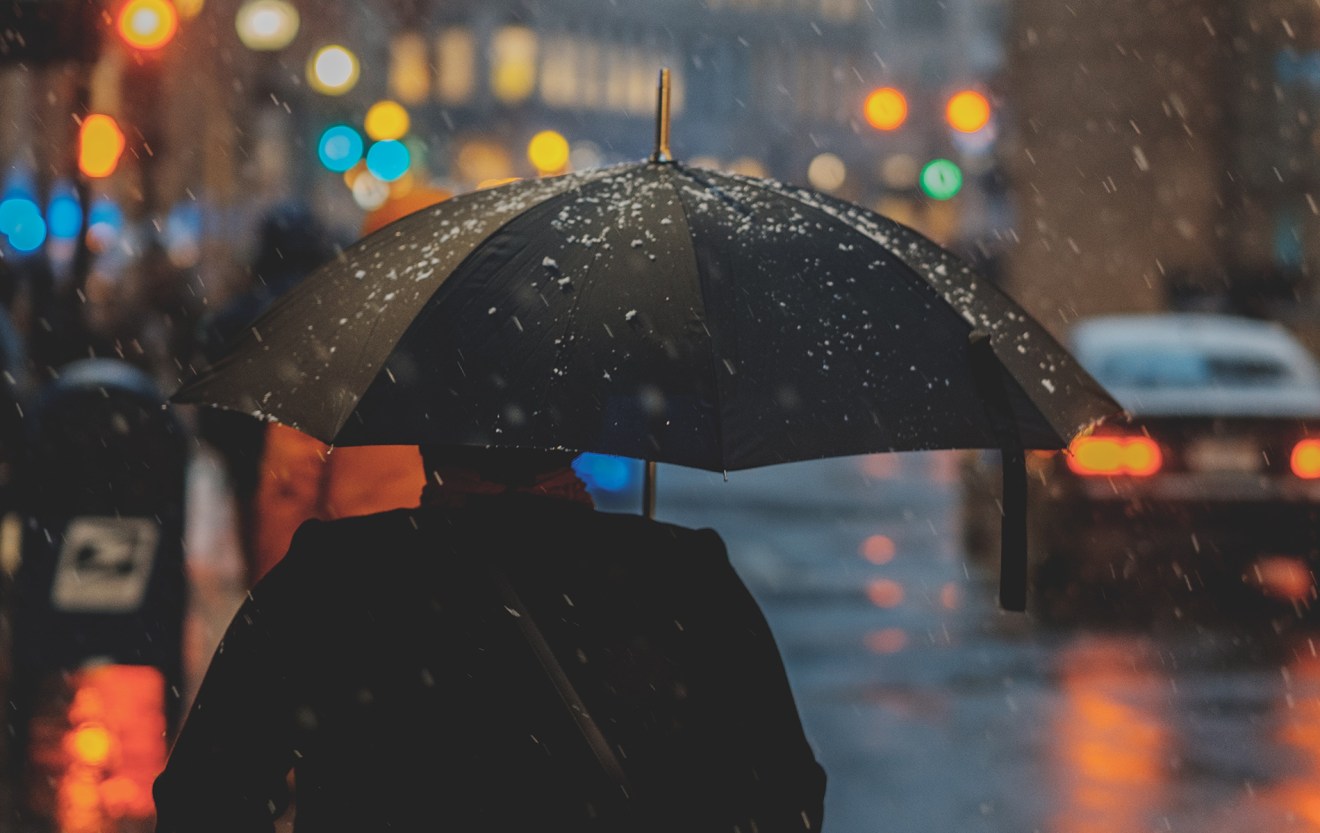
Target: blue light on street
388,160
340,148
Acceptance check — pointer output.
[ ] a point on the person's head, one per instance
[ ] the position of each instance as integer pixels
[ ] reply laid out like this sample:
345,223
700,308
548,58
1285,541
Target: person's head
514,466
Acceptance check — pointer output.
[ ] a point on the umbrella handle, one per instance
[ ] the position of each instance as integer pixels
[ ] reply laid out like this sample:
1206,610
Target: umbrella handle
989,380
648,490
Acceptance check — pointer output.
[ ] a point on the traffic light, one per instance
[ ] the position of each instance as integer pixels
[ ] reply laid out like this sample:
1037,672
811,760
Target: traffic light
967,111
886,108
147,25
100,144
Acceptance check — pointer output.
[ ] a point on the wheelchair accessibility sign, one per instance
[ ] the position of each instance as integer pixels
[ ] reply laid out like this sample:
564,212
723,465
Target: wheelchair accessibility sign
104,565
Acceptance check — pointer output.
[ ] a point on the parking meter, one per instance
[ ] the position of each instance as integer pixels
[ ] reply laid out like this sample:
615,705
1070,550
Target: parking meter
101,580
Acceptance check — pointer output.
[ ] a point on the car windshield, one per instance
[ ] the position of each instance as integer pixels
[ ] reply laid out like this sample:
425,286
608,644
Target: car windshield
1163,368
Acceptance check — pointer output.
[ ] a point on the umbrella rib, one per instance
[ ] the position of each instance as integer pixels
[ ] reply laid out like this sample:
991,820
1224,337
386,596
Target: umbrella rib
707,323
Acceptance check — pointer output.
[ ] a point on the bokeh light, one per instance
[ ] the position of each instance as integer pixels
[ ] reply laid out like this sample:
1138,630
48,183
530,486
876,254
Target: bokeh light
147,24
267,25
388,160
21,221
333,70
340,148
827,172
386,120
548,152
369,192
64,214
886,109
941,179
968,111
100,144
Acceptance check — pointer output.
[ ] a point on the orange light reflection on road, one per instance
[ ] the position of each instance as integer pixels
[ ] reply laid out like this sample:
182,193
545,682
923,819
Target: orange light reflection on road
878,549
1296,798
884,592
1111,742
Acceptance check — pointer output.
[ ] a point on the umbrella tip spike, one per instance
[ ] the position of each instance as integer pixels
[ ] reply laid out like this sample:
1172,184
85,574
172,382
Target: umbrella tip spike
662,153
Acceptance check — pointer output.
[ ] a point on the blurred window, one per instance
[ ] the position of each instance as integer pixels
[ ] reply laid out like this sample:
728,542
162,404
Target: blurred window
1184,369
455,64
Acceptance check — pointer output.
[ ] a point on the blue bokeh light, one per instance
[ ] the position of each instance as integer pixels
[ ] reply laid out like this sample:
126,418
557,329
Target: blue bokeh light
388,160
64,215
29,233
16,212
340,148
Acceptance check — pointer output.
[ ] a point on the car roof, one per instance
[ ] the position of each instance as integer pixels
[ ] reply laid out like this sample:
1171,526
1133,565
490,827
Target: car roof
1214,334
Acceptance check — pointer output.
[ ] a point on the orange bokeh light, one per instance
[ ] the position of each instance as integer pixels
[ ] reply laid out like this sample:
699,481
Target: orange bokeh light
885,592
878,549
147,24
100,144
1306,459
886,109
968,111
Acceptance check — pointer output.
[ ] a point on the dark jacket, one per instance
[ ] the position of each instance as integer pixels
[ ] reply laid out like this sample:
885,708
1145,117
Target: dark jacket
377,659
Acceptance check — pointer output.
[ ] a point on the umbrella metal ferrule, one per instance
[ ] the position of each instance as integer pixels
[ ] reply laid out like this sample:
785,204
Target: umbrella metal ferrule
662,153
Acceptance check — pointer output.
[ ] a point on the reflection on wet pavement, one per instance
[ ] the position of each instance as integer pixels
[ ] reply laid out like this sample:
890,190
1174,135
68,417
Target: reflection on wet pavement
1112,739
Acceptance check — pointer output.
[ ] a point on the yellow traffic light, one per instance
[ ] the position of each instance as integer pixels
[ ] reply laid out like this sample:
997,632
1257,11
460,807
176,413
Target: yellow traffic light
548,152
147,24
968,111
886,108
100,144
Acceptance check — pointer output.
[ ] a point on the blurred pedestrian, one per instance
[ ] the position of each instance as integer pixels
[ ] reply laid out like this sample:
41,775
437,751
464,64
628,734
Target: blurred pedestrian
300,478
502,658
291,242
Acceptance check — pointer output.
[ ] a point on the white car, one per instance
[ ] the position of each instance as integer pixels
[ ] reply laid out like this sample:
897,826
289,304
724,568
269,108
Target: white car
1213,488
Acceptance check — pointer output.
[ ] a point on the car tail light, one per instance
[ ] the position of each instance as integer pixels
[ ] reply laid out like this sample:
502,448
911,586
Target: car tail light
1111,455
1306,459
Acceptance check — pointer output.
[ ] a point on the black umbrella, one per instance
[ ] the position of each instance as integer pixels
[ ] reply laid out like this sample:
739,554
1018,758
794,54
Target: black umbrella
662,312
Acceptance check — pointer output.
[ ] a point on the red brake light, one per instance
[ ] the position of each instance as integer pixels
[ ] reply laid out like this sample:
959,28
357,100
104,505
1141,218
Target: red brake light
1137,456
1306,459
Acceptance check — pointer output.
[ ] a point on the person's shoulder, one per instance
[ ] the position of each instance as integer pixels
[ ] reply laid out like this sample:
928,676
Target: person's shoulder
320,544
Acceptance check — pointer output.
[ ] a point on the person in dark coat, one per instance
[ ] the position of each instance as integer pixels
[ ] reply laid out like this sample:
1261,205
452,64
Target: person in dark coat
383,663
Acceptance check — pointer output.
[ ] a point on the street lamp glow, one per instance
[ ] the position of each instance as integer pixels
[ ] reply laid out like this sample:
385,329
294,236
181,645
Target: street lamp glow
333,70
548,152
267,25
148,24
386,120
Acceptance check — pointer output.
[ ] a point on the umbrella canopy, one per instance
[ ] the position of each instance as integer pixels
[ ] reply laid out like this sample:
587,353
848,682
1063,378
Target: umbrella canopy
656,311
667,313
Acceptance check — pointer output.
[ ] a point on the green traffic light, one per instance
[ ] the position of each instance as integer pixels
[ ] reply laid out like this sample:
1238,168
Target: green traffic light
941,179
